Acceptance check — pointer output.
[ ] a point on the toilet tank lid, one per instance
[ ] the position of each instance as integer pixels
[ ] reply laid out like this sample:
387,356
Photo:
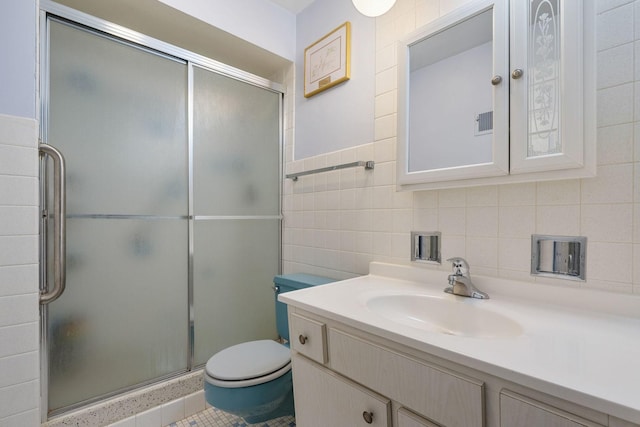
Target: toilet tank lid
300,280
248,360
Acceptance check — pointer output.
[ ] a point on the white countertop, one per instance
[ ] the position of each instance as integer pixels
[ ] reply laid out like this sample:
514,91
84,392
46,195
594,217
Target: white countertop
577,344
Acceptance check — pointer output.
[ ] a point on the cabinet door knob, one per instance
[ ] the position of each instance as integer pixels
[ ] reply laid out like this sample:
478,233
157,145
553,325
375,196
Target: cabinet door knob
302,339
517,73
368,417
496,80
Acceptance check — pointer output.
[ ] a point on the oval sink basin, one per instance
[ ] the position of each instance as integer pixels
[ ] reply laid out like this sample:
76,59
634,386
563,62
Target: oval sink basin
451,317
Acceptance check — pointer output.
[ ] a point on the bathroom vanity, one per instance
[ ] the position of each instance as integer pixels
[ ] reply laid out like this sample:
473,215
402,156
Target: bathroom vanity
392,349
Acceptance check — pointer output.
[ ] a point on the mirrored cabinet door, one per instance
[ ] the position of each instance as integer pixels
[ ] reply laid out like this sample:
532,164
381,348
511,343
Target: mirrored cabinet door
546,85
453,106
498,91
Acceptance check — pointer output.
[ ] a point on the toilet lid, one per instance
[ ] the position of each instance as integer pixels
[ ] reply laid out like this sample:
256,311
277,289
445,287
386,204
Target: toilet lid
248,360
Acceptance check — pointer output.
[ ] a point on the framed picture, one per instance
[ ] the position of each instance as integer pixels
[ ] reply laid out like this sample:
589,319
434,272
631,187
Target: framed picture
327,62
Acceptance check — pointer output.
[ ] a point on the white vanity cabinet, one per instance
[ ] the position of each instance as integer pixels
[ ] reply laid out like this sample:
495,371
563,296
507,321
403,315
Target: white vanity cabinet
361,378
354,378
408,419
498,91
443,396
519,411
324,398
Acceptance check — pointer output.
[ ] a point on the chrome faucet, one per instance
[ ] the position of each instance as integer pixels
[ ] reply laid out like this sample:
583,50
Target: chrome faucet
460,281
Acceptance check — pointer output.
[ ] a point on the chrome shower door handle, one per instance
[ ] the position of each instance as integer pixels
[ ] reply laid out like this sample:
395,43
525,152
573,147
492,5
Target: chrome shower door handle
59,226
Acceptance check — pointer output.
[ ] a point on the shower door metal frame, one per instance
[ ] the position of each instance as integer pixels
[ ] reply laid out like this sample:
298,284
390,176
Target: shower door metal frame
50,10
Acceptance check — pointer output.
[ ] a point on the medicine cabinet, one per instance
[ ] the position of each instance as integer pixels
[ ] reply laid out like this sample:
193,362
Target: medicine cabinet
498,91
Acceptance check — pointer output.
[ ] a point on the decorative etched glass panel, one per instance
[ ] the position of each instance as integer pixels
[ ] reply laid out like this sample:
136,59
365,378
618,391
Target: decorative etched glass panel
543,75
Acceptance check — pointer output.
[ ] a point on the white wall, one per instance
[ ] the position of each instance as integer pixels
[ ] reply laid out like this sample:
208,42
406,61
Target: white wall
348,106
337,222
17,58
260,22
19,325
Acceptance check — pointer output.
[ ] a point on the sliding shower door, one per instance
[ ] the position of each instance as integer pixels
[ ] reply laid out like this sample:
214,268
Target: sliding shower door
123,130
173,210
237,211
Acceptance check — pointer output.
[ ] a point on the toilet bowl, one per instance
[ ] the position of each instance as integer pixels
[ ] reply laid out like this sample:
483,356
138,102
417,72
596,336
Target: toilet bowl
253,379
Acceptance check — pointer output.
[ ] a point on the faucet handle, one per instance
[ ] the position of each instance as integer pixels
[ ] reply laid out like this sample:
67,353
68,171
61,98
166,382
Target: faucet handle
460,266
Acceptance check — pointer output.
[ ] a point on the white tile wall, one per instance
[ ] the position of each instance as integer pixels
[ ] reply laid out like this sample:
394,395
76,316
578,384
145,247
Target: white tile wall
19,327
165,414
615,144
127,422
194,403
172,411
27,418
150,418
490,226
615,26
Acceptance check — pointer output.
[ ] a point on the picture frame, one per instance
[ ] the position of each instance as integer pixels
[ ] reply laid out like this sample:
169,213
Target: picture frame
327,62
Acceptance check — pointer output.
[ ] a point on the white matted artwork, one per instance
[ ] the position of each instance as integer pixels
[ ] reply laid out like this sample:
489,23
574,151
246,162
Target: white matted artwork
327,62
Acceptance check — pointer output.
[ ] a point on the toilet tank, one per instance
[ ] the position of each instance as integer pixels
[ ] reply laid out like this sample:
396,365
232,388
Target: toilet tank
292,282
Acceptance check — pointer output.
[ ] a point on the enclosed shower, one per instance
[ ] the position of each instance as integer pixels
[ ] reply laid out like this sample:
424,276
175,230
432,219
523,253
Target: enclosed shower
173,169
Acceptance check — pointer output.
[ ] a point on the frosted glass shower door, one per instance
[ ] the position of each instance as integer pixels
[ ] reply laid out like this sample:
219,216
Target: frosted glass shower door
118,114
237,211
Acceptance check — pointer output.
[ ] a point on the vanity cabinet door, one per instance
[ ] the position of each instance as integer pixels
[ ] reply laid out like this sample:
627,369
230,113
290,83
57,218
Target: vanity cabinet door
448,398
617,422
323,399
409,419
520,411
453,105
547,80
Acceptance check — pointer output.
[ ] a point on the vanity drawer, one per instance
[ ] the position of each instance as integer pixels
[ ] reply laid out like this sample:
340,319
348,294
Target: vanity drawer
520,411
308,337
443,396
409,419
332,400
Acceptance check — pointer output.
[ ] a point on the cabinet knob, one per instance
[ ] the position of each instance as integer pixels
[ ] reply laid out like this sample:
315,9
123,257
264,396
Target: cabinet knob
368,417
302,339
517,73
496,80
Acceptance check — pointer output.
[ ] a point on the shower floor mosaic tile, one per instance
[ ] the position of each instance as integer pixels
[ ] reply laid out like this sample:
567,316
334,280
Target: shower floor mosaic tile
213,417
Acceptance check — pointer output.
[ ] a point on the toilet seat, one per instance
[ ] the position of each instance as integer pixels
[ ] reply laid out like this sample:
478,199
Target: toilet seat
249,363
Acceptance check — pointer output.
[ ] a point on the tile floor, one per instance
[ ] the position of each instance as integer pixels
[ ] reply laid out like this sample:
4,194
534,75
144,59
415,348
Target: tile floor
213,417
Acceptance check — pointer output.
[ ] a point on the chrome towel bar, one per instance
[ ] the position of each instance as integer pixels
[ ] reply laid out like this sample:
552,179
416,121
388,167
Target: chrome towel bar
367,165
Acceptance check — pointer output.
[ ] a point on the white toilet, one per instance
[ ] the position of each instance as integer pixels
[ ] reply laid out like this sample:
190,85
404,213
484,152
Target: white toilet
253,380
